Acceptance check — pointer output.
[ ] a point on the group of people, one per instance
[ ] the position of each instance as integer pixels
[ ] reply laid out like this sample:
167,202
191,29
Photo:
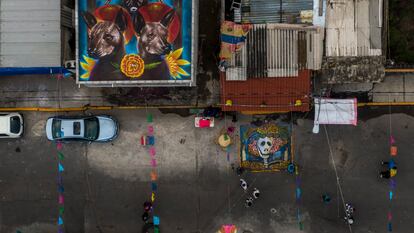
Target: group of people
255,193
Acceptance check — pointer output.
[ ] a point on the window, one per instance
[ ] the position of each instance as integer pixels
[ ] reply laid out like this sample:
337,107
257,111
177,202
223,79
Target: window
76,128
15,124
91,128
56,128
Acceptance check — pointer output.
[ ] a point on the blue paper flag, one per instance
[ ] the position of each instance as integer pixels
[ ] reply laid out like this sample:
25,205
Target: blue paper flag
61,189
154,186
298,193
61,169
389,226
156,220
391,195
60,221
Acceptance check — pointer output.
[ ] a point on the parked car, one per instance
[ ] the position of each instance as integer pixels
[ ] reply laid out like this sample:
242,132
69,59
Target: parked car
100,128
11,125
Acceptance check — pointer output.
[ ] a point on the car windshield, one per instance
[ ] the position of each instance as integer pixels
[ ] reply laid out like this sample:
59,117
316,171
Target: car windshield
56,128
15,124
91,128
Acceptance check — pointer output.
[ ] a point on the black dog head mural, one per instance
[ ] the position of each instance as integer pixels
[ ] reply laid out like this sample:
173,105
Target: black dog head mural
105,38
153,36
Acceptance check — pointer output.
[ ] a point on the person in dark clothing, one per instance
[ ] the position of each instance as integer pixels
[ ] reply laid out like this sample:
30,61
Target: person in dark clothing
145,217
147,206
385,174
326,198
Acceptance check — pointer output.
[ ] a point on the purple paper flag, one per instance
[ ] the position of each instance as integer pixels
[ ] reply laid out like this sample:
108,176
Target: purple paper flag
59,179
392,140
153,162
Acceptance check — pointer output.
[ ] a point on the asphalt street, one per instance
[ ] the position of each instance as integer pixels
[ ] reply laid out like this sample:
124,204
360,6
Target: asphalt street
106,184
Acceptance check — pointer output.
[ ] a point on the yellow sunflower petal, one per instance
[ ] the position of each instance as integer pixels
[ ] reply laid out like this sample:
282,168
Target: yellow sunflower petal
177,53
182,72
183,62
88,60
85,75
85,66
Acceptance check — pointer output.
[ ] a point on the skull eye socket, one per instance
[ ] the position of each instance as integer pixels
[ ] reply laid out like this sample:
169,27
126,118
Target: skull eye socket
263,143
269,144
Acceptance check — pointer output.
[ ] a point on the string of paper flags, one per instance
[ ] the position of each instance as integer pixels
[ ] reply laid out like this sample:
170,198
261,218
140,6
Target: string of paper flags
149,140
61,200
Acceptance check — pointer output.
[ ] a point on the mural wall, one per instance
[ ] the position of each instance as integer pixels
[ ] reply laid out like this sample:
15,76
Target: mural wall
135,41
265,148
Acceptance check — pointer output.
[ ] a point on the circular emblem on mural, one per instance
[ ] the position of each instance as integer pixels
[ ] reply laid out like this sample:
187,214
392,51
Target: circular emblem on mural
132,66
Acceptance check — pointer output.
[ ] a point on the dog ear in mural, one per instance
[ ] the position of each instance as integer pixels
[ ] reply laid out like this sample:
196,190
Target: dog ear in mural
133,5
153,36
106,43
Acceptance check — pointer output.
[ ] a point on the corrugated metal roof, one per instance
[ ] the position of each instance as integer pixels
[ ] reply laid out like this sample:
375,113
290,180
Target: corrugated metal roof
267,94
352,28
30,33
277,50
274,11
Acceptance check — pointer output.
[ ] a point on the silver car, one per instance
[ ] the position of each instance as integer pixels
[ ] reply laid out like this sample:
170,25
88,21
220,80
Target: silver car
100,128
11,125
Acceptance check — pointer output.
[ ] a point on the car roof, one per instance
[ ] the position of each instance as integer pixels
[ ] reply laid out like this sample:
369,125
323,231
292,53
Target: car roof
5,124
67,127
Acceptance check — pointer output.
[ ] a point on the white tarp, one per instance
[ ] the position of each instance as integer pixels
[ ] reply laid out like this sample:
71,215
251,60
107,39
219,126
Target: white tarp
334,112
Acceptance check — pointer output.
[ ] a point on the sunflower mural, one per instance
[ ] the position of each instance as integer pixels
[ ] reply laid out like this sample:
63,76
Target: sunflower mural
132,41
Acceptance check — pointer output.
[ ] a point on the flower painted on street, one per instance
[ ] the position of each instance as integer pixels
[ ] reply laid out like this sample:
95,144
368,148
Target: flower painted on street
174,64
87,66
132,66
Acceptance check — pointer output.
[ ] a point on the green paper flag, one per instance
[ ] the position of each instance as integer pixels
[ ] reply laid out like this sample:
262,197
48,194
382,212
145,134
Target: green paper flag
60,156
61,210
149,118
226,137
301,226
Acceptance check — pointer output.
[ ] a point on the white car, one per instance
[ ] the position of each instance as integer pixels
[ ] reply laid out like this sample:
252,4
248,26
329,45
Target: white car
100,128
11,125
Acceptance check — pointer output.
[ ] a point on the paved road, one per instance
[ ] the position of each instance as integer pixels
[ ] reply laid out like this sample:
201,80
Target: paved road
105,184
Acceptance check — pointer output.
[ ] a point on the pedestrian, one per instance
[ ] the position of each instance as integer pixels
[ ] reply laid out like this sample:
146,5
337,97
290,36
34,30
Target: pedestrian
326,198
349,220
239,171
145,217
349,209
243,184
249,202
147,206
256,193
385,174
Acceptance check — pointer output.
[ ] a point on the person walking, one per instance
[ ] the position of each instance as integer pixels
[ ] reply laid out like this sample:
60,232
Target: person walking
256,193
391,171
147,206
145,217
243,184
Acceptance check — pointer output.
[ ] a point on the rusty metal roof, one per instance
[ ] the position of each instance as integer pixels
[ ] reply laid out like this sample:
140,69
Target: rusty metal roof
267,94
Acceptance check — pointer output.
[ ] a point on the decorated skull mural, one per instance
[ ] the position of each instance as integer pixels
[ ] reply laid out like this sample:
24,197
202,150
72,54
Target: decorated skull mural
266,142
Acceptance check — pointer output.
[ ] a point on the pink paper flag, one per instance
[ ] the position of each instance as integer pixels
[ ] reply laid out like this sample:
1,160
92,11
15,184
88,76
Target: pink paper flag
61,199
392,140
389,216
59,145
152,151
150,129
153,162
